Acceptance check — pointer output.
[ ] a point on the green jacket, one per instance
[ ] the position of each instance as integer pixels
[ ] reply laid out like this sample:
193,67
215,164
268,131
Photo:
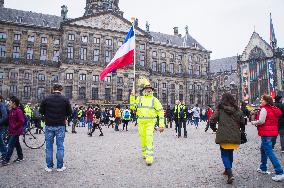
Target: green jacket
230,121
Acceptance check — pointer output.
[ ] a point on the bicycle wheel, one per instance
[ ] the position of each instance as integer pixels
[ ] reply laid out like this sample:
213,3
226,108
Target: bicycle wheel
33,139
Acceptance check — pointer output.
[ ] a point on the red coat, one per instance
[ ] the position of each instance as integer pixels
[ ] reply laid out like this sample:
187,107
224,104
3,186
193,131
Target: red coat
270,127
16,122
90,115
210,113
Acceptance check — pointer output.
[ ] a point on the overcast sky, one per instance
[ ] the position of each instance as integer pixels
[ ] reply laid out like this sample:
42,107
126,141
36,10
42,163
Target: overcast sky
222,26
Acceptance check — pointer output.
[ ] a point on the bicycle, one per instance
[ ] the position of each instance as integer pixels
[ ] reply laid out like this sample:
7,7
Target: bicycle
32,137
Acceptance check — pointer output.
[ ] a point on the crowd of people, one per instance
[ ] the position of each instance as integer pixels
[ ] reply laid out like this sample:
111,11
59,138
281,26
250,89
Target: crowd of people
227,121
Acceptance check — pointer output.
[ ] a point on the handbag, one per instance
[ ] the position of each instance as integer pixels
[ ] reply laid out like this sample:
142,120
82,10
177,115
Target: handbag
243,137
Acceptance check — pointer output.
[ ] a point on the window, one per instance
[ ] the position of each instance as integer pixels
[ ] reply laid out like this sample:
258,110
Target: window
198,70
173,98
142,46
108,42
56,42
31,38
43,40
154,54
83,54
55,77
43,53
154,66
95,93
173,86
40,93
181,87
30,53
163,55
28,76
96,55
172,68
164,98
27,91
198,87
69,76
97,40
164,85
172,56
179,57
17,37
71,37
3,35
13,75
108,56
107,79
41,77
16,52
70,52
190,58
84,39
2,75
13,90
190,87
180,68
142,60
107,94
82,92
120,80
164,67
181,97
119,43
119,94
190,70
155,84
96,78
191,99
68,92
56,55
2,51
82,77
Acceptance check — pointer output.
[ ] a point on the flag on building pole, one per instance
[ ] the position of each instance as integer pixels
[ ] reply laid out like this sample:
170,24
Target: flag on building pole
273,40
124,56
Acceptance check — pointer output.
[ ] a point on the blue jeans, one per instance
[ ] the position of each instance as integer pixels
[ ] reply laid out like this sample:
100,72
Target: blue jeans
50,133
90,125
14,142
227,156
3,147
267,152
27,123
83,121
196,121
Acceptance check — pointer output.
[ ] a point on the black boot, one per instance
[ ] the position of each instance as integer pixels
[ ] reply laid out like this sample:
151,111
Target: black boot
231,177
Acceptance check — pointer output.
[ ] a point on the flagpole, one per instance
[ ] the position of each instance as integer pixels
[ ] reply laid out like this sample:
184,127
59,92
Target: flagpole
134,57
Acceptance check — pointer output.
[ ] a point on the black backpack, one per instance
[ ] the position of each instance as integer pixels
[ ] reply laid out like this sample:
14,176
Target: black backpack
182,112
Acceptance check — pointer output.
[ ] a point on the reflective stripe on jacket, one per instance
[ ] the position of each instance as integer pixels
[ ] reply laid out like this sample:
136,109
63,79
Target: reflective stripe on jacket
148,108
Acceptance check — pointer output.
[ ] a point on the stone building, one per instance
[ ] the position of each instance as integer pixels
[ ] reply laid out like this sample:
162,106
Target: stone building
260,69
38,50
225,78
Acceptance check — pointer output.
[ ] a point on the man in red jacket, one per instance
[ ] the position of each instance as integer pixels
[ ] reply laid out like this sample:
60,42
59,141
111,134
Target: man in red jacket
209,115
267,126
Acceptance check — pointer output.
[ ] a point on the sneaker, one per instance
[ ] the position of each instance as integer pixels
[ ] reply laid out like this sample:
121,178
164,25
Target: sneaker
278,177
263,172
18,160
5,163
101,134
48,169
61,169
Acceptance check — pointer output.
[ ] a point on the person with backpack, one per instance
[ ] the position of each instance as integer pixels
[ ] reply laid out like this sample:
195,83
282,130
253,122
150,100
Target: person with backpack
16,120
36,117
96,122
126,115
3,126
196,115
230,124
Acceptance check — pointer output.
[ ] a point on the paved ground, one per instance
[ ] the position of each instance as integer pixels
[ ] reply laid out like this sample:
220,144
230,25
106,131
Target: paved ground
115,161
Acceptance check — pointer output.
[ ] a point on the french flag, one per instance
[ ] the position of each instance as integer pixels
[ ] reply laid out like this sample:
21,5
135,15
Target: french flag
124,55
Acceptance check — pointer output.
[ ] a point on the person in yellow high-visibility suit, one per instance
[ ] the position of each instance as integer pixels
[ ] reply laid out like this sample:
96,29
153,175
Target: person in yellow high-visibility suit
148,110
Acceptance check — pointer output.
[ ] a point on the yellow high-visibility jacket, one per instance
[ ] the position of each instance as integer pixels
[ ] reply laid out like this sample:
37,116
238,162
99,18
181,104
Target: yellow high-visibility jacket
28,111
148,108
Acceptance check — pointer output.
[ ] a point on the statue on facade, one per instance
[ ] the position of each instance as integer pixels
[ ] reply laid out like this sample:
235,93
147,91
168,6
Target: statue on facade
147,26
64,11
186,29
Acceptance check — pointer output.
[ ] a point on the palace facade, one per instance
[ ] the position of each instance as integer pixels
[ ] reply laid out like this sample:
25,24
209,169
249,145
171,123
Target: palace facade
39,50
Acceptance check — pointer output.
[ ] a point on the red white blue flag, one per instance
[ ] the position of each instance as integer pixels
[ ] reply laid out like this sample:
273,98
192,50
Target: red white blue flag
124,55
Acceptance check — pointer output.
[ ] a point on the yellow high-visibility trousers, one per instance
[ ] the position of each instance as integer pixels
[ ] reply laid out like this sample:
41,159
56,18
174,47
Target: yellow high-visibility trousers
146,133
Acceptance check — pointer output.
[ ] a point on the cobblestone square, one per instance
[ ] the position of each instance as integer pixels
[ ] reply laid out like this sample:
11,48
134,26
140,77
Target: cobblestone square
115,161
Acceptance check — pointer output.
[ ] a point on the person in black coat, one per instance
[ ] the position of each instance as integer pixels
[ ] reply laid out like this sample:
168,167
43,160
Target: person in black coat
278,104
